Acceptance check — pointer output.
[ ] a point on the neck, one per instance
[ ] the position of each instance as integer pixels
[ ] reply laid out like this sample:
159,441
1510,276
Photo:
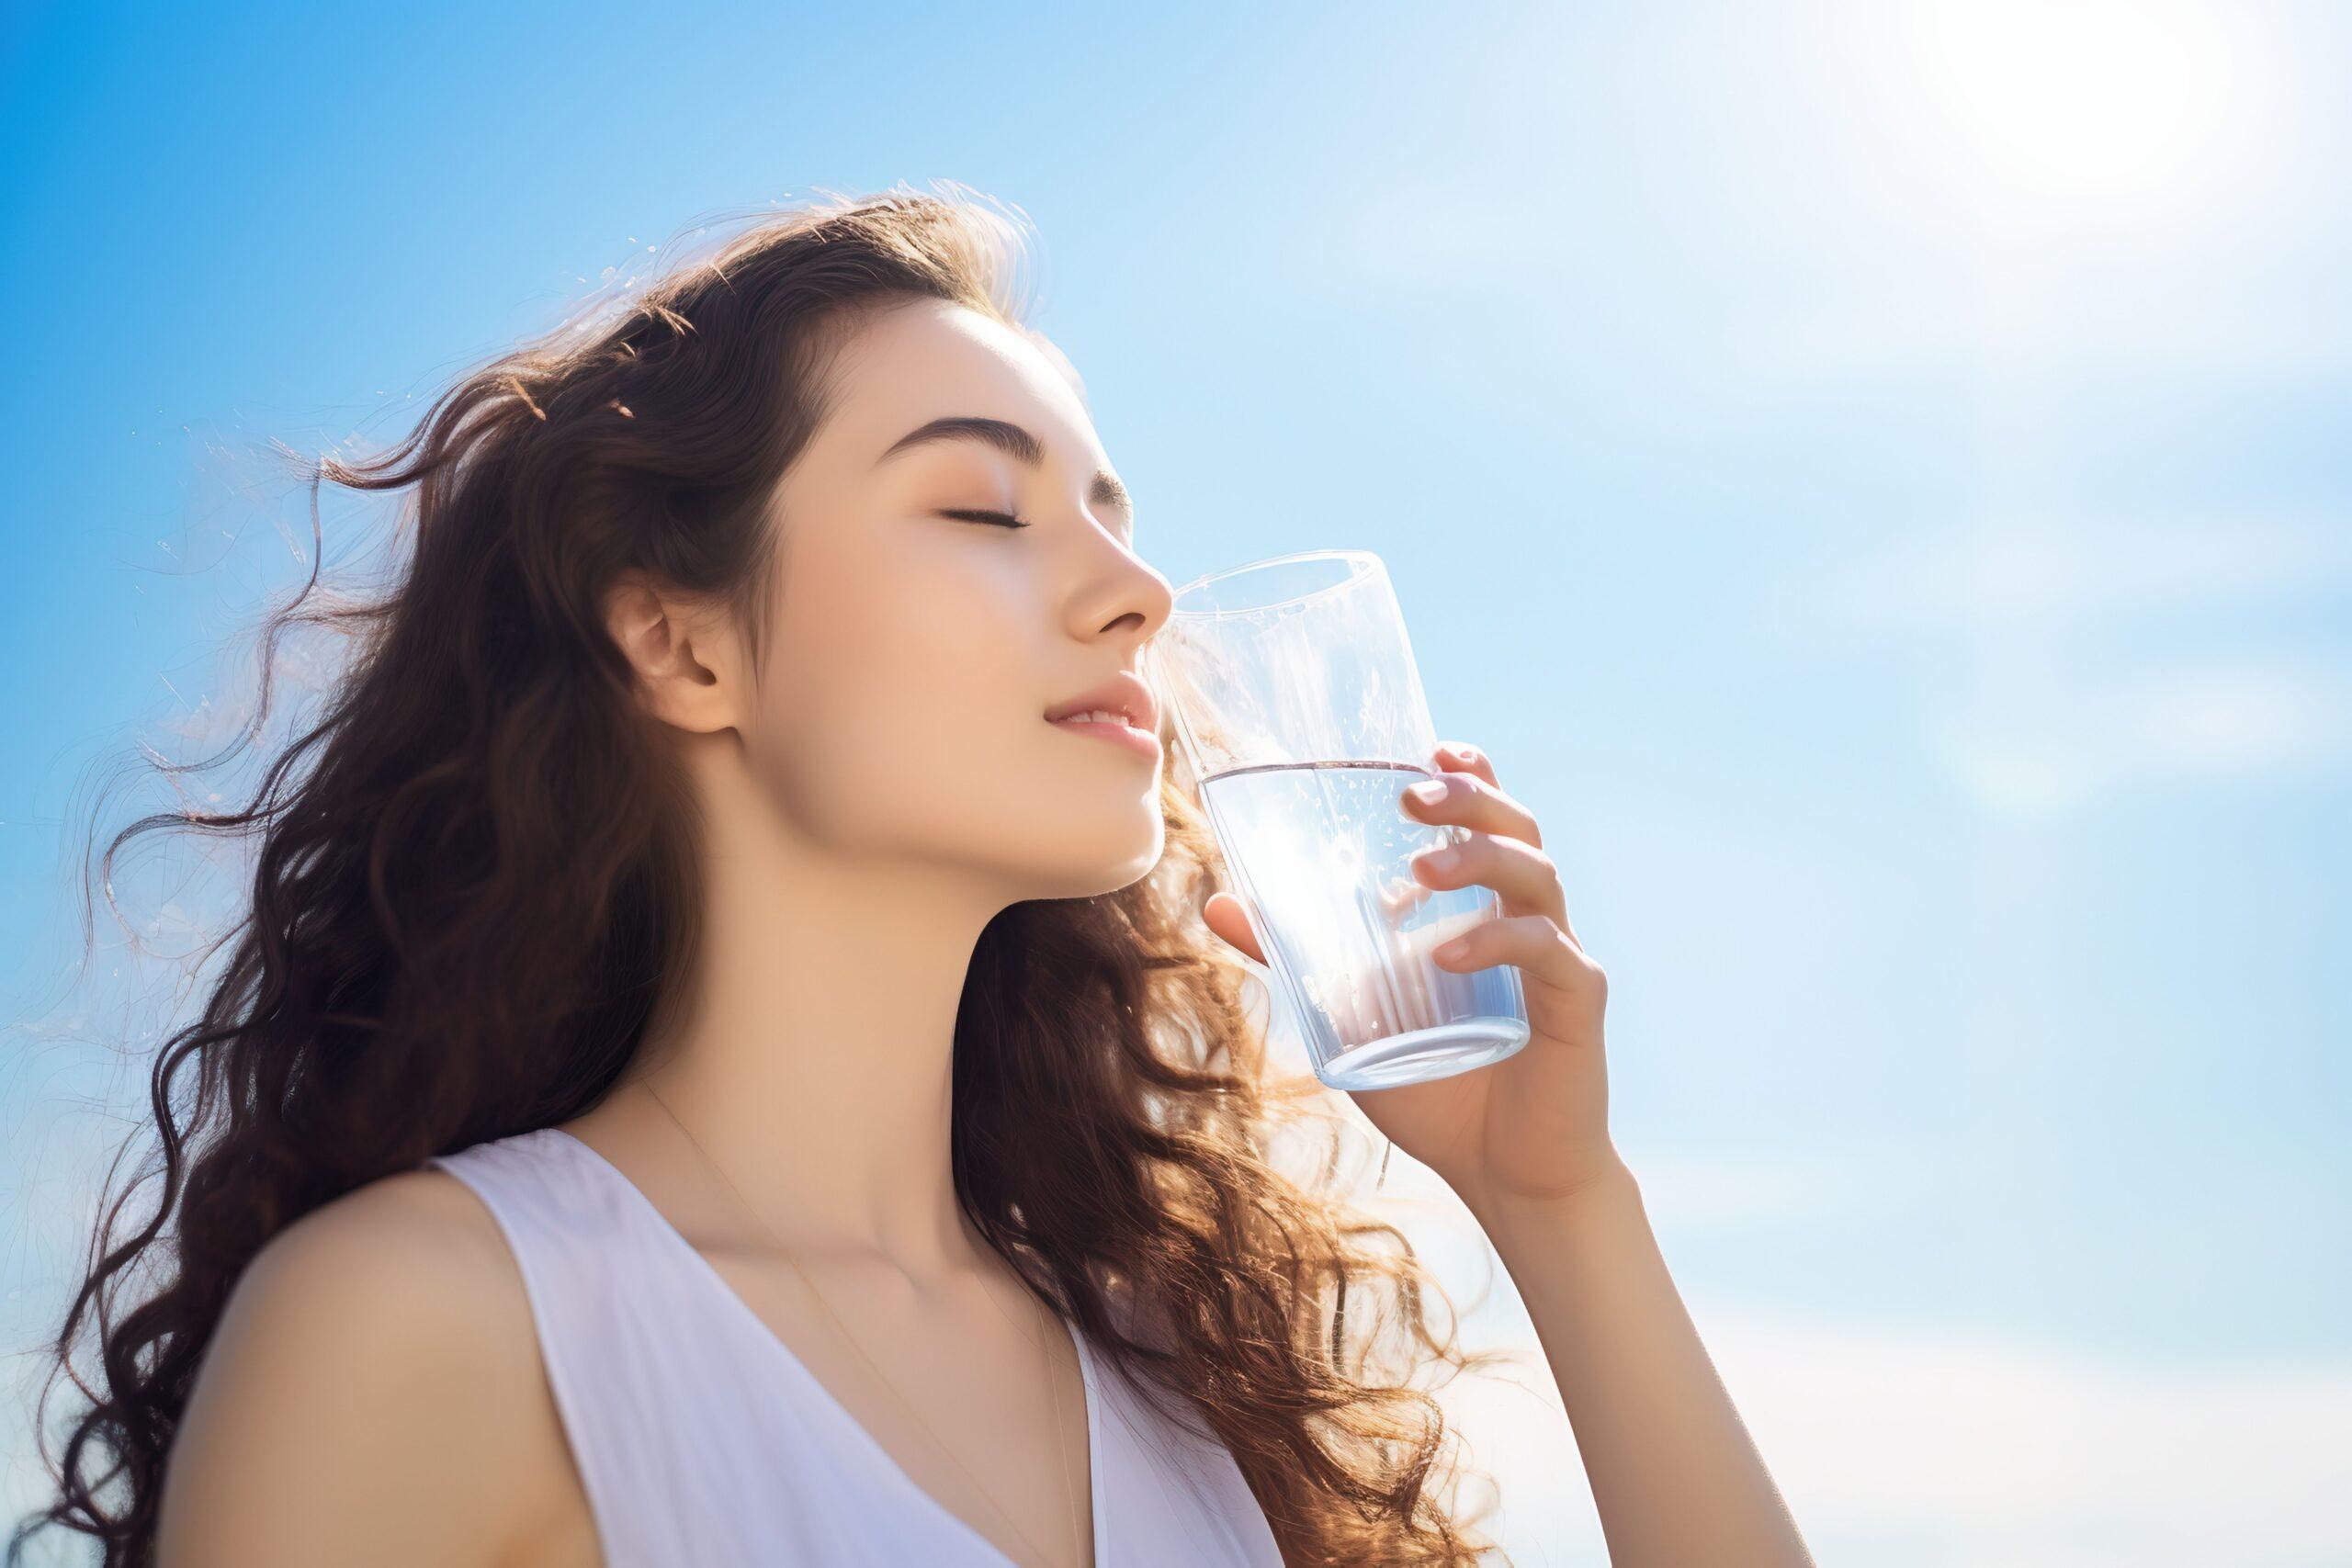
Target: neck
809,1054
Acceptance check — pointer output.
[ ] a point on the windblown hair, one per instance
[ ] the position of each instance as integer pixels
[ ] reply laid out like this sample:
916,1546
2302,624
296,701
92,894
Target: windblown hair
475,875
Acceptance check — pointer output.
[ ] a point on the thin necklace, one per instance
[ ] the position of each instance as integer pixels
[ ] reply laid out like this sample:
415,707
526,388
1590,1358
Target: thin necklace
1053,1389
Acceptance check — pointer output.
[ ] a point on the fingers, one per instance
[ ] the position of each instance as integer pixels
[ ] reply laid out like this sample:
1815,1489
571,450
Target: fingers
1535,946
1468,760
1523,875
1504,849
1472,800
1228,918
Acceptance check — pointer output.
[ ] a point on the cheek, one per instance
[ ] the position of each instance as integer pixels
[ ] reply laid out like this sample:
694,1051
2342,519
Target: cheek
902,695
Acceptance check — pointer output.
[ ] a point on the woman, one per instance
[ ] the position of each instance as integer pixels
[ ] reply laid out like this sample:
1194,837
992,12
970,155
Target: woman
722,1068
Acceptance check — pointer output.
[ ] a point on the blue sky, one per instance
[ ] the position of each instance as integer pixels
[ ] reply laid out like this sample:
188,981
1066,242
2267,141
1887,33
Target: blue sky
1876,478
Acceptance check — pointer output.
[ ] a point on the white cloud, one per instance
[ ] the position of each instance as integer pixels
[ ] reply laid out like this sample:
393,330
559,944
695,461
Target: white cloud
2056,705
1930,1445
1948,1449
2015,1453
2030,747
2234,720
1685,1191
2046,570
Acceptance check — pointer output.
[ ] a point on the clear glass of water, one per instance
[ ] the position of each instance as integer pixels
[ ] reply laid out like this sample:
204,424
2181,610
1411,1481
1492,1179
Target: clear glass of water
1300,711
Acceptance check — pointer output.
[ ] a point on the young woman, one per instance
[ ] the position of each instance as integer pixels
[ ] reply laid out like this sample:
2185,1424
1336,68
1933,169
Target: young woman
722,1069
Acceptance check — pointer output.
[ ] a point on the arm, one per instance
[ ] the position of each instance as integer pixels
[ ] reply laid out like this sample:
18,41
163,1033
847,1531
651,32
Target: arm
1525,1142
1673,1476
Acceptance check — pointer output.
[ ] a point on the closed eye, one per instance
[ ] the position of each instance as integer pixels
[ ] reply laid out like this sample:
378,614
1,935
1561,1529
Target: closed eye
1001,519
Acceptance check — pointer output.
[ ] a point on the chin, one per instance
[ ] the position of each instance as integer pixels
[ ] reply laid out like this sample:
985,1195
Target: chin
1087,864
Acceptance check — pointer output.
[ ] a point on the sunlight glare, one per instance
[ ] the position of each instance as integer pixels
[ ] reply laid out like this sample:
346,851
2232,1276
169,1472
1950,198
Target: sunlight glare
2096,101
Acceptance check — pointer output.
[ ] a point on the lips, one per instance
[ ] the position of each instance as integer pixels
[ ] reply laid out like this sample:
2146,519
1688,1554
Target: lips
1122,693
1142,742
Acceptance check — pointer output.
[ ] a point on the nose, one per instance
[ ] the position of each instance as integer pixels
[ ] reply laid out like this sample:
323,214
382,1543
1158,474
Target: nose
1130,597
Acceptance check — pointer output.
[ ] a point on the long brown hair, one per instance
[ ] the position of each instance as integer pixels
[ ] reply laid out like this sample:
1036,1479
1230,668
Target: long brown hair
474,876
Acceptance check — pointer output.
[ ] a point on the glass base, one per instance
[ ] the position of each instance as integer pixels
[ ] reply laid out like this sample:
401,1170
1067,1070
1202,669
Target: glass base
1425,1054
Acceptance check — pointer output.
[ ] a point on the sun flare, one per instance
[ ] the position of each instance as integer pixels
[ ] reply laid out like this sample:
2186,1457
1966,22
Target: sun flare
2096,101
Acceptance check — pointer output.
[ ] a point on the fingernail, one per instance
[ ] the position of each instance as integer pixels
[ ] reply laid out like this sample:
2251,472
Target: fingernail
1428,792
1440,859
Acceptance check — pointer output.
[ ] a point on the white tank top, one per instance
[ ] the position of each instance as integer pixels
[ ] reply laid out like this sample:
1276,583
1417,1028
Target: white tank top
703,1440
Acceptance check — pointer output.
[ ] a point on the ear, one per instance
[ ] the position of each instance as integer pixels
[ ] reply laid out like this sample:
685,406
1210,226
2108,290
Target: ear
684,655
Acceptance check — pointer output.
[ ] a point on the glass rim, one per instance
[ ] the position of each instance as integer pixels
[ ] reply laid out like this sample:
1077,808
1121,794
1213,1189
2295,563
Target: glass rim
1364,562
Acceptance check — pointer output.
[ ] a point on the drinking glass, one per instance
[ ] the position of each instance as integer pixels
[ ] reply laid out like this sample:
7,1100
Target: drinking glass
1300,711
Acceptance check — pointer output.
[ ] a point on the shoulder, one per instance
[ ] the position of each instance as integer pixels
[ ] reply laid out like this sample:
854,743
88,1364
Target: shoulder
378,1353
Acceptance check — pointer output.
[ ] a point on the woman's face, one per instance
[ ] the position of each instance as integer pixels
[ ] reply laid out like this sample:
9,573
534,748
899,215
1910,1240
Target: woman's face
915,654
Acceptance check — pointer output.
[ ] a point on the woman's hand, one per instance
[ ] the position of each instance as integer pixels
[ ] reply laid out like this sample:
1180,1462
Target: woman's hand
1525,1143
1535,1126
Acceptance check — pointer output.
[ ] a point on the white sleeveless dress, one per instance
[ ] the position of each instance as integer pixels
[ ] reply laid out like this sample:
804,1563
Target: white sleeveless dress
702,1441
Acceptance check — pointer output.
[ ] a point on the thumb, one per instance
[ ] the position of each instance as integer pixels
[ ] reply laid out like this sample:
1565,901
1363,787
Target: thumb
1228,918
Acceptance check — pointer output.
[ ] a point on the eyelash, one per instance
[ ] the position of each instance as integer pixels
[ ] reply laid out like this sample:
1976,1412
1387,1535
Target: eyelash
995,519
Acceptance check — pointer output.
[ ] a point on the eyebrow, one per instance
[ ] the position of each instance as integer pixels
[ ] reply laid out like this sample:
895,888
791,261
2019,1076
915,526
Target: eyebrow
1103,490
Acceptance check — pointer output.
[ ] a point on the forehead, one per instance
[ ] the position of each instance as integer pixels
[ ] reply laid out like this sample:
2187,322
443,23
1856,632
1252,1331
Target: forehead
908,364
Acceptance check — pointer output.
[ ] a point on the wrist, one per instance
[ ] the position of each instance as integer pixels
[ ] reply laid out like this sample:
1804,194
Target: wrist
1606,1184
